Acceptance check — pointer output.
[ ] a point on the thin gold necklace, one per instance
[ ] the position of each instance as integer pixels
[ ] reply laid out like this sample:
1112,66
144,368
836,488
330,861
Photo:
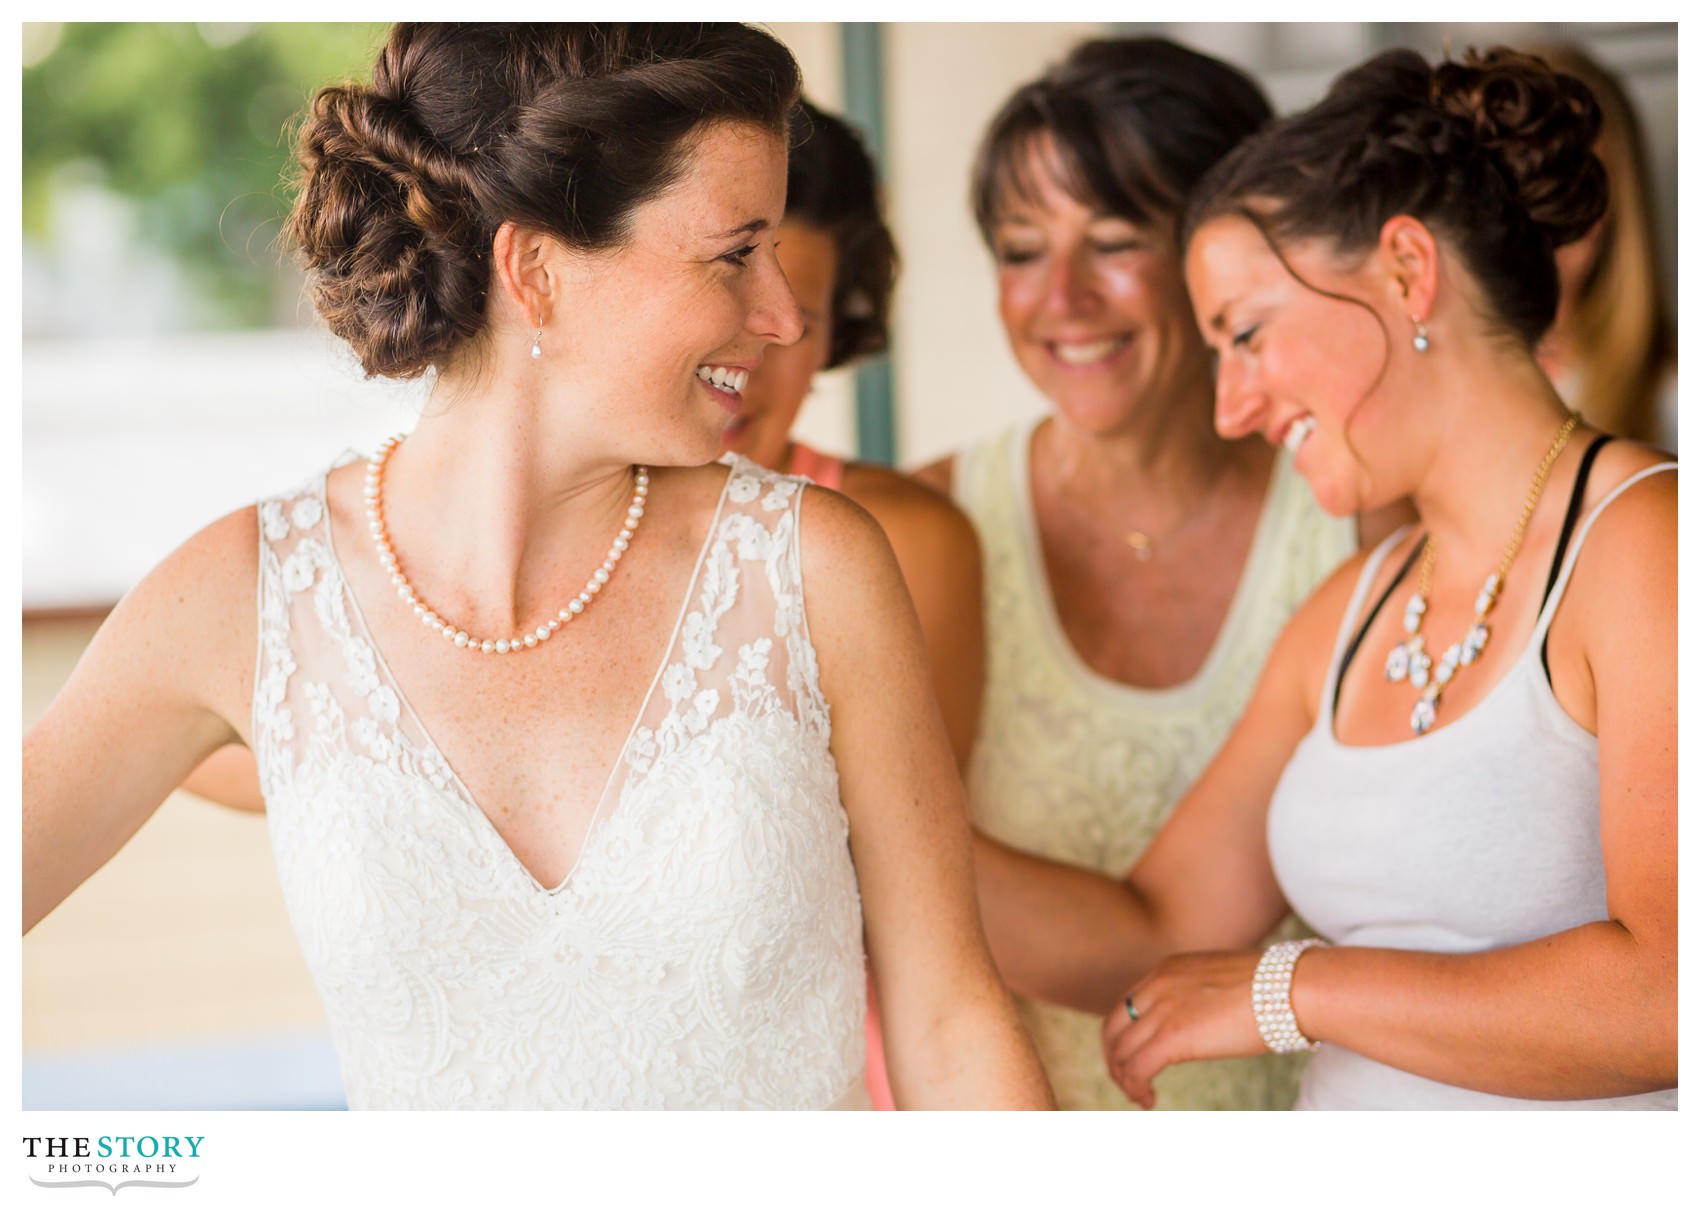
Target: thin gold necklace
1140,540
1409,660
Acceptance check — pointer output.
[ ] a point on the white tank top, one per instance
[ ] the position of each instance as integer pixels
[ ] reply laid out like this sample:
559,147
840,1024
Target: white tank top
1478,835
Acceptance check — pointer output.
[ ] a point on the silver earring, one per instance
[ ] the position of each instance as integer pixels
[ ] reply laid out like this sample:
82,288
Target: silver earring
1418,342
537,344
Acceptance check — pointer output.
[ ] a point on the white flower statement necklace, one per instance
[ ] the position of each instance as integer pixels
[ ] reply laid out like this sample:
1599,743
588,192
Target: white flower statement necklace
1409,660
458,636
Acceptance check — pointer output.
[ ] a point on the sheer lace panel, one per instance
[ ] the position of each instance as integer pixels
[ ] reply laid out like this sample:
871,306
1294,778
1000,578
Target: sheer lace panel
706,950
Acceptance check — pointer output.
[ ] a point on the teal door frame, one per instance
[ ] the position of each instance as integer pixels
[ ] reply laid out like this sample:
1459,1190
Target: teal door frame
862,51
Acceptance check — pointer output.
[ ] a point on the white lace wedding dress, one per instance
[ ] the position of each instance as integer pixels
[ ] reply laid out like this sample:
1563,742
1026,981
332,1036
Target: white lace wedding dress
705,952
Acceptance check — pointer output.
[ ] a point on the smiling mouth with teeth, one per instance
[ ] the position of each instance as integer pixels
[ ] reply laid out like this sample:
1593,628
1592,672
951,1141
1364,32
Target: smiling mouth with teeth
1297,432
724,377
1084,353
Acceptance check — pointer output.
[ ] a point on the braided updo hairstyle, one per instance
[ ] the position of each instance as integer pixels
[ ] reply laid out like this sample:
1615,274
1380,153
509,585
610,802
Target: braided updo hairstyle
563,128
1493,153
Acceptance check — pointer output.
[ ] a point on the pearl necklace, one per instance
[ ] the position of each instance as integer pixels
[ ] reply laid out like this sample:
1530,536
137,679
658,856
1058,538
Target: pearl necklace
1408,661
458,635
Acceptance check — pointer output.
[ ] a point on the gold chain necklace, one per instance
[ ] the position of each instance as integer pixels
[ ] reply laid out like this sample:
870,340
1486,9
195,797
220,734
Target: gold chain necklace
458,636
1142,542
1409,661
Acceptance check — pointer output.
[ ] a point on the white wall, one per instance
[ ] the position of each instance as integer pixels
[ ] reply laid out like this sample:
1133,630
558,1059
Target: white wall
828,419
954,379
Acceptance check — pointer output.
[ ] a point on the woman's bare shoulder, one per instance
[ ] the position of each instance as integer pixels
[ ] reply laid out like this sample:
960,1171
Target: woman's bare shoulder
1632,542
849,564
835,526
939,475
1618,461
199,604
913,513
213,570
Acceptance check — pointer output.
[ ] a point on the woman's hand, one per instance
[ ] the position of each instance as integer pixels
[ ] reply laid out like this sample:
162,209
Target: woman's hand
1190,1007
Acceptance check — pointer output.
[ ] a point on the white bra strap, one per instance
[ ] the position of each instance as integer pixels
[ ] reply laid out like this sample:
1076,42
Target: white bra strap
1569,565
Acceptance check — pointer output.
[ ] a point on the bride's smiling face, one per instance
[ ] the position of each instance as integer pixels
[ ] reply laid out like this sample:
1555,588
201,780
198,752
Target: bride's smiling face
661,333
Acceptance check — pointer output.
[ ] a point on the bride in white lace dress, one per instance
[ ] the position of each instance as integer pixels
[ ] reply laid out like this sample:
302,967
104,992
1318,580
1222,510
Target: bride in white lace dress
549,841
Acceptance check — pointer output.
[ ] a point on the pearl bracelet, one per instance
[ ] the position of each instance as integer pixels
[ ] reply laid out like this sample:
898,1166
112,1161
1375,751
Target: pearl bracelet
1272,997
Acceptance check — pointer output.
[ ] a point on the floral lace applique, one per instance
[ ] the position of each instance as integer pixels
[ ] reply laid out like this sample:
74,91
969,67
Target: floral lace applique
705,952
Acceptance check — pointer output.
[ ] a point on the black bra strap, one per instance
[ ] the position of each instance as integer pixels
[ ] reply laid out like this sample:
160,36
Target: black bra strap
1358,639
1574,511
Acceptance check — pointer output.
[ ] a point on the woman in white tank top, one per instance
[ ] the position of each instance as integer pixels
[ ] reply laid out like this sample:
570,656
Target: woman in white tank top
1469,789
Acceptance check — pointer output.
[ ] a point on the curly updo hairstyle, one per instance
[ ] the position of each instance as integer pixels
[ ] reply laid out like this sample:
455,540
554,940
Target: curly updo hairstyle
832,185
1135,123
564,128
1493,153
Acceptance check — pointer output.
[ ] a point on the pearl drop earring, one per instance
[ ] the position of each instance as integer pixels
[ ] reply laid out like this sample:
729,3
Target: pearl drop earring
537,343
1418,342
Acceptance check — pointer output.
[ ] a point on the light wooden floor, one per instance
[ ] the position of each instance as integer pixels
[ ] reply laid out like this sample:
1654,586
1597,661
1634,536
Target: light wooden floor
181,938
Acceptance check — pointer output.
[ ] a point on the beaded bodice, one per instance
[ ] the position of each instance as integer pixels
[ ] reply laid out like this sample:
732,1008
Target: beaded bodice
706,949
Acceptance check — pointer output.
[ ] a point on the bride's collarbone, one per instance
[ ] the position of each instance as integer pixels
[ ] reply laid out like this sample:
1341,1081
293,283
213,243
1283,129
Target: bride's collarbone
533,735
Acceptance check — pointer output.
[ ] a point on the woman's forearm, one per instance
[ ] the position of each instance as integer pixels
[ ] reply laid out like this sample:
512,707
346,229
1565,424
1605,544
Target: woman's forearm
1060,933
976,1055
1587,1013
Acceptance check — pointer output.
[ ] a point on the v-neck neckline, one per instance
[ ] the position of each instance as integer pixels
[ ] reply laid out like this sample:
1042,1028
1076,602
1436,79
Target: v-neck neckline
464,793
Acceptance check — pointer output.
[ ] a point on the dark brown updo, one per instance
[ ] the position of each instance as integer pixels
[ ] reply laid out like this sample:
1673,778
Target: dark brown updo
1493,153
564,128
831,184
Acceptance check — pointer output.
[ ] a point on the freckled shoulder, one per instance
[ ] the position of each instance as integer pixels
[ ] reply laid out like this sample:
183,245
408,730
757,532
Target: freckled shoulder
850,574
201,600
212,576
837,530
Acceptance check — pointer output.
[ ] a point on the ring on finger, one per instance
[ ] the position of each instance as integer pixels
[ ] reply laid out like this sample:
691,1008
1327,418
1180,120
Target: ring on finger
1127,1004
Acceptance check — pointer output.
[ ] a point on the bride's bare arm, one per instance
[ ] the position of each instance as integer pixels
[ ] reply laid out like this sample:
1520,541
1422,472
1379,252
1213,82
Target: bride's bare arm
230,777
152,696
952,1037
